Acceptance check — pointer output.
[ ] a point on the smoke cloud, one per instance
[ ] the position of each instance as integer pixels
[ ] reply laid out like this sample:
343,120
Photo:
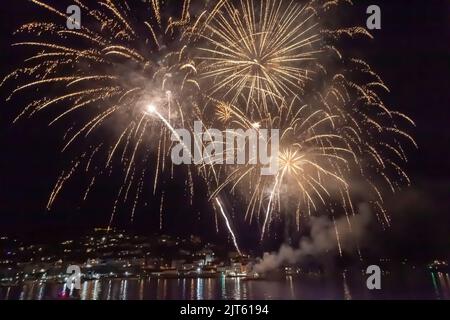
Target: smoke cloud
321,240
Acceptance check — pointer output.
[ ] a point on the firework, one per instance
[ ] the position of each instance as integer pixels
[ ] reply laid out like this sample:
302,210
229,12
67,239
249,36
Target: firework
339,141
230,229
132,75
259,50
105,76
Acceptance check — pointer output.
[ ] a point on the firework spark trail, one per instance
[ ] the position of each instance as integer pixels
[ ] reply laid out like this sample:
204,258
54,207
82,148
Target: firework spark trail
152,110
278,180
338,237
227,221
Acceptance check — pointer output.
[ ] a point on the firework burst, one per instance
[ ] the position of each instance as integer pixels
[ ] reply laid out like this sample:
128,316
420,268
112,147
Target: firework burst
108,75
259,50
339,141
133,74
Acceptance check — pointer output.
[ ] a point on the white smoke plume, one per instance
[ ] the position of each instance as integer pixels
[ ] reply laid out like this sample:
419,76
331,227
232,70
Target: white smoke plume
322,239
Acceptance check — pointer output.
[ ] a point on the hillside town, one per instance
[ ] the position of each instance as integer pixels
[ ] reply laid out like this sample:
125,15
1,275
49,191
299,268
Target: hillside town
116,254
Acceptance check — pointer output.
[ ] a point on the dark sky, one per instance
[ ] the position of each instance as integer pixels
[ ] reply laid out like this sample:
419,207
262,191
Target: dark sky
411,53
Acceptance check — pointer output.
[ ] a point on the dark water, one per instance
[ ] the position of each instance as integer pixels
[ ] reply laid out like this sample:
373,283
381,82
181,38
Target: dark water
420,285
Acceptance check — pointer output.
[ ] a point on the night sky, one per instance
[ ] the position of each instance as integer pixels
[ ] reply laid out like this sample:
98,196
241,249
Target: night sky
412,55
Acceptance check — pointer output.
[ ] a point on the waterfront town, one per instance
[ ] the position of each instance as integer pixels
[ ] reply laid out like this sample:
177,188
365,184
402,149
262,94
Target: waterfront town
115,254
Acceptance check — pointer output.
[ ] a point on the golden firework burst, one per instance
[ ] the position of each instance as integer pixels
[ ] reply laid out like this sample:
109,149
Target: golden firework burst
259,49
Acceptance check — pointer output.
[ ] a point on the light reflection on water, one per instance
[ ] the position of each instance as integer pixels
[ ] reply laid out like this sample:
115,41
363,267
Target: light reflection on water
441,284
426,286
